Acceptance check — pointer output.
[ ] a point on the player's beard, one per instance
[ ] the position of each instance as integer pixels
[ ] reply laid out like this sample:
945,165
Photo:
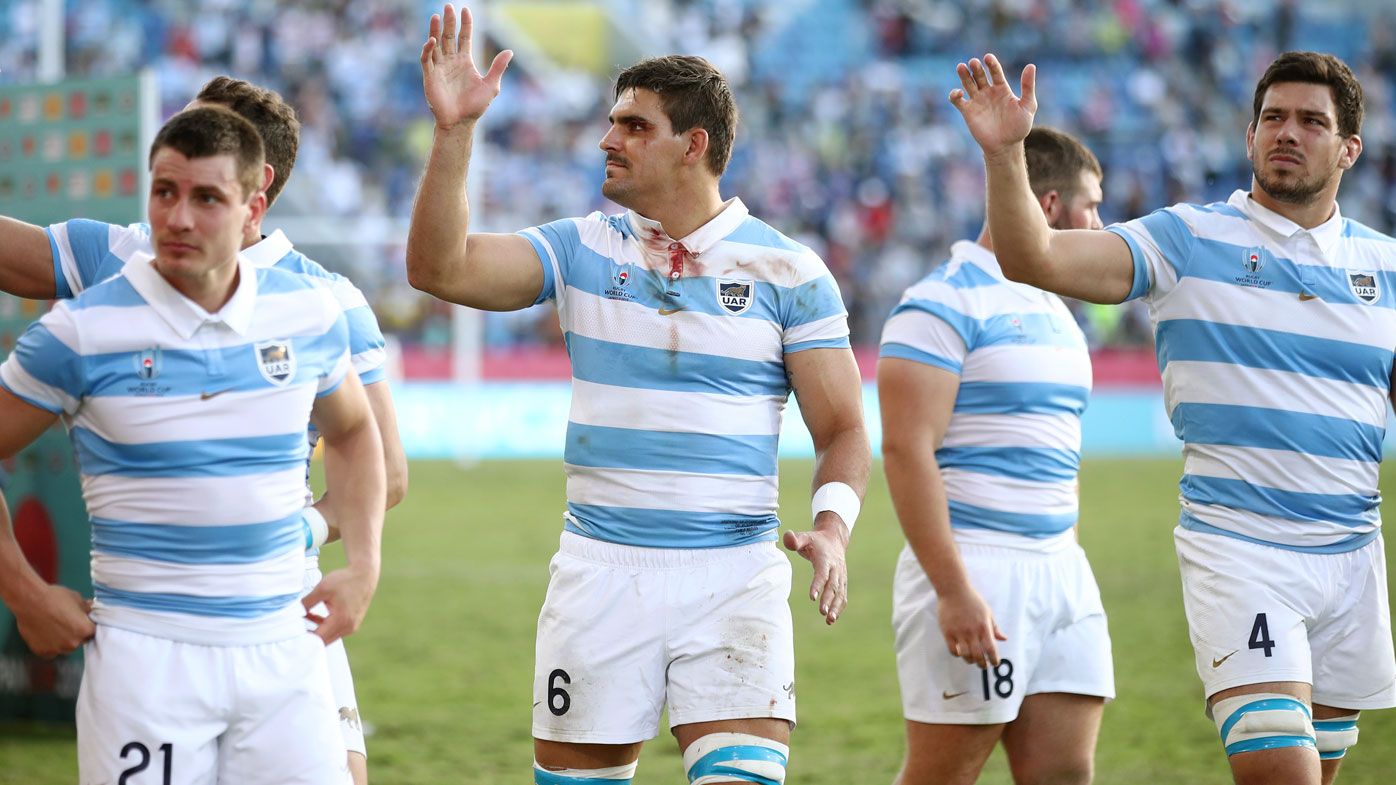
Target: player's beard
1294,190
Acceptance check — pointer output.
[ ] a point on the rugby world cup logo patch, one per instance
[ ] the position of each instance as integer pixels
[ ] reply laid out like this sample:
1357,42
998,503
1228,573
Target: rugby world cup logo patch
621,277
1364,286
735,296
1254,261
276,361
148,363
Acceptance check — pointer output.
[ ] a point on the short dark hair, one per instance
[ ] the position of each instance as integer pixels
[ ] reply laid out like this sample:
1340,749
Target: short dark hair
694,94
206,131
1317,68
1056,160
269,113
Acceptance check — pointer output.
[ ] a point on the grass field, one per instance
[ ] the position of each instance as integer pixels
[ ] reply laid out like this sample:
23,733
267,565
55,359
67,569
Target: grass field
444,662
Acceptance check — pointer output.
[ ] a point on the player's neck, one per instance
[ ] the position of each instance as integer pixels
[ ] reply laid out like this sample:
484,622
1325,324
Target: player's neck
683,212
210,290
254,234
985,240
1309,214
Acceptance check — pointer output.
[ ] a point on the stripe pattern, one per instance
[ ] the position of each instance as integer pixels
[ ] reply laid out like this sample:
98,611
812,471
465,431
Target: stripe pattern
679,383
1011,453
1275,345
88,252
189,432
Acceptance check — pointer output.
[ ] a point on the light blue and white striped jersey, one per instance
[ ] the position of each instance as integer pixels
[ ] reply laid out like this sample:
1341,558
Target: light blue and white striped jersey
1276,346
678,371
87,252
189,430
1012,450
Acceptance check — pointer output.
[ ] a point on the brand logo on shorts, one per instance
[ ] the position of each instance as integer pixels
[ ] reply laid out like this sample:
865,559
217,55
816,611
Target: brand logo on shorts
148,363
735,296
276,362
789,689
1217,663
351,716
1365,286
948,695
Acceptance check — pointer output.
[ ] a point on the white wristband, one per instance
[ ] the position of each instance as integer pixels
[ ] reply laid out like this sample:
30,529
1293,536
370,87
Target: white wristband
839,498
317,529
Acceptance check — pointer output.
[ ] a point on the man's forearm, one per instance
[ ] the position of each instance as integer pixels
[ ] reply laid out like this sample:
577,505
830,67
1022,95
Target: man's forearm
1017,226
355,492
918,496
436,239
18,580
845,458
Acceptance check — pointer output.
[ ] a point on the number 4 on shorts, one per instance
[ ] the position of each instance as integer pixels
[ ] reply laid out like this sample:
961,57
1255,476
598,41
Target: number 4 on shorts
1260,635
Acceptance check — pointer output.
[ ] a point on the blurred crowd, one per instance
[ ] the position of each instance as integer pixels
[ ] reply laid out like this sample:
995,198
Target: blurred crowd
847,141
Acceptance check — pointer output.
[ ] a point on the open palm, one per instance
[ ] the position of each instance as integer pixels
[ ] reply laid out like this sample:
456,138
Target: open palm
455,89
995,116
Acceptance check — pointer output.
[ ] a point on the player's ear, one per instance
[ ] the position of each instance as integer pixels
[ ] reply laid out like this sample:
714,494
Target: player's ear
256,208
1051,204
1250,142
697,150
1352,147
268,174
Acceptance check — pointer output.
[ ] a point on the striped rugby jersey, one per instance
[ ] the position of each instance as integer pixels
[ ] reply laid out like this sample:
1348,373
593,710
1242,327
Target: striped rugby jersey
678,370
189,431
87,252
1276,346
1012,450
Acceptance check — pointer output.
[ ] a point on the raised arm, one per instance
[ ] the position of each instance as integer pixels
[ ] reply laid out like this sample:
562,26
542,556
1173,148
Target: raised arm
496,272
354,483
917,401
26,261
1086,264
830,393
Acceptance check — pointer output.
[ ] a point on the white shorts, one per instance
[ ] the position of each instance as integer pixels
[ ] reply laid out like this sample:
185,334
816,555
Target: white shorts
153,711
625,629
346,703
1258,613
1046,603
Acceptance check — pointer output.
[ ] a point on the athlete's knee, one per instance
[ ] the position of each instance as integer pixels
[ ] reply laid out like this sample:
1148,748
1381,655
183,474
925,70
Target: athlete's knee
619,775
1051,767
735,757
1334,735
1263,721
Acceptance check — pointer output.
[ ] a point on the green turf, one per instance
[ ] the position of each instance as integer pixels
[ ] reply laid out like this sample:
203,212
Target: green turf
444,664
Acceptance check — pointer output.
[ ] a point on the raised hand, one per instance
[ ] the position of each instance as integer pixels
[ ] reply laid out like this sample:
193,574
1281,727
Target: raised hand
454,88
995,116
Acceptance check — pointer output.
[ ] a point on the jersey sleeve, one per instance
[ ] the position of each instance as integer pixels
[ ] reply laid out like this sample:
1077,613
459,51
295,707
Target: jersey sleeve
83,252
1160,245
366,343
337,360
46,368
556,244
932,326
812,313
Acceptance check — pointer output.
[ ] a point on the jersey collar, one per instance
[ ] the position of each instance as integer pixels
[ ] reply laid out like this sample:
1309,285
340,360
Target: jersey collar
703,238
1325,234
184,315
268,251
979,256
